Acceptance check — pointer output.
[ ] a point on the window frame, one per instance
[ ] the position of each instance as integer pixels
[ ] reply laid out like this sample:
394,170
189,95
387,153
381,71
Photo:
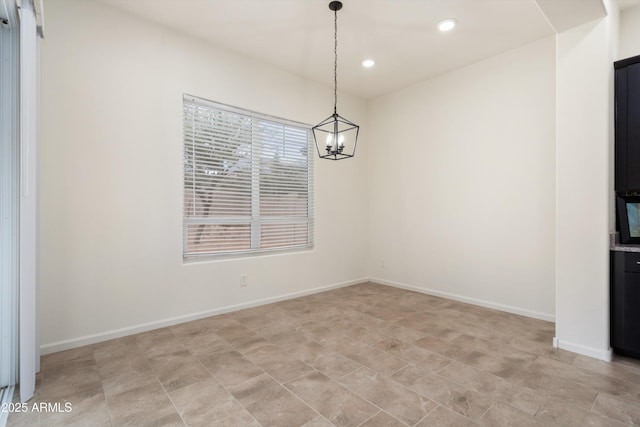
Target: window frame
255,221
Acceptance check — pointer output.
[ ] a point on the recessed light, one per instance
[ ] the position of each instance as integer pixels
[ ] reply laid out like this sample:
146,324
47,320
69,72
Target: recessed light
447,24
368,63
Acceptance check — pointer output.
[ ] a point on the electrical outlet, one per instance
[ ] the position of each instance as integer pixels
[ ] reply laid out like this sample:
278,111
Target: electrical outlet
244,281
381,263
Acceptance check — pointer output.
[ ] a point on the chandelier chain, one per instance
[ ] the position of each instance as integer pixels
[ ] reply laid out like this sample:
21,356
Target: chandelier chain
335,63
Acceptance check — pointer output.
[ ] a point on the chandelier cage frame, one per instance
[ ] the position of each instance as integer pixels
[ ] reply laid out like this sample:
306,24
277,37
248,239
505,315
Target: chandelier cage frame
336,135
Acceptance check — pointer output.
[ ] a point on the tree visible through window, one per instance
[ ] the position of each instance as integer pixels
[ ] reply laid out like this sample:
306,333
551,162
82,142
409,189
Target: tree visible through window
247,181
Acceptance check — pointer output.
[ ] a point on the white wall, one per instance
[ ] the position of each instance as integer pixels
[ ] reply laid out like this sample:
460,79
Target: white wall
487,184
462,183
584,187
111,201
629,32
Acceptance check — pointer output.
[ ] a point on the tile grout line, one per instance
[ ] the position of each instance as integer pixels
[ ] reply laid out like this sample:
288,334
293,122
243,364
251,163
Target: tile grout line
398,370
447,379
371,417
594,401
429,413
104,394
445,367
264,373
605,415
542,405
294,394
172,403
227,390
367,400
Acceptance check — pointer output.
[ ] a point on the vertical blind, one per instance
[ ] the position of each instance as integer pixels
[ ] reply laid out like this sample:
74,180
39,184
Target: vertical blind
28,236
247,181
9,196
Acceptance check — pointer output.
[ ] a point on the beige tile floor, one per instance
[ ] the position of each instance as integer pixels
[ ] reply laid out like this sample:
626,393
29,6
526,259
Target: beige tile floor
365,355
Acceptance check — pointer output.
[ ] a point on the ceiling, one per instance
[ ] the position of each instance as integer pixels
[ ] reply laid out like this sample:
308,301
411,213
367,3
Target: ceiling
400,35
624,4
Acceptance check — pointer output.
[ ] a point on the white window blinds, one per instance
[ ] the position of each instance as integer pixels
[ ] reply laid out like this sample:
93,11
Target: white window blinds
247,181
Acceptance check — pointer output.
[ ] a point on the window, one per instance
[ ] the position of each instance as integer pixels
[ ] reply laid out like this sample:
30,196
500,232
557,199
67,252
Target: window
247,181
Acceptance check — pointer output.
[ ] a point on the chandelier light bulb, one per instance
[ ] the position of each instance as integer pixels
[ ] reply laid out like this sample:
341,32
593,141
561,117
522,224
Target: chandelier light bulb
331,139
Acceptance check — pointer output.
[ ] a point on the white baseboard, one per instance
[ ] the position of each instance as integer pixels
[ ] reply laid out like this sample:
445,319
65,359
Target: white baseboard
144,327
605,355
502,307
596,353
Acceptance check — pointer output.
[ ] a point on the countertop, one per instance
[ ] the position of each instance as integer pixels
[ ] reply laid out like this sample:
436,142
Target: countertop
615,245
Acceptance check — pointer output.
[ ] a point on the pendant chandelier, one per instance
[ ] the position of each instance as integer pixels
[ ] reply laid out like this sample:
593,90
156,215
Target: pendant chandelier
335,136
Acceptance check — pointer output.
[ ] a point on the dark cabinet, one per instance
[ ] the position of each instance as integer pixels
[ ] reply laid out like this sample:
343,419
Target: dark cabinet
625,303
625,266
627,125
